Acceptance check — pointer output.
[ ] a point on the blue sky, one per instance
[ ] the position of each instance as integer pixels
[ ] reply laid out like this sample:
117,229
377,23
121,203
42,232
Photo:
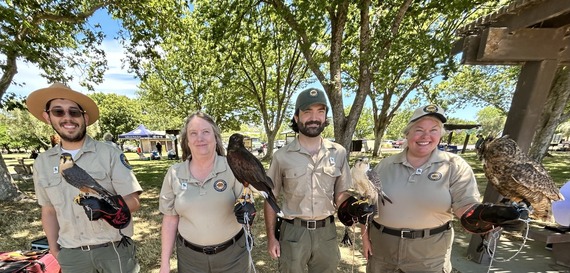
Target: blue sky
117,79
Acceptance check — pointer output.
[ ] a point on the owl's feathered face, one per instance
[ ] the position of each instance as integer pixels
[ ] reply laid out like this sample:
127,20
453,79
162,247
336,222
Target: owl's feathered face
501,147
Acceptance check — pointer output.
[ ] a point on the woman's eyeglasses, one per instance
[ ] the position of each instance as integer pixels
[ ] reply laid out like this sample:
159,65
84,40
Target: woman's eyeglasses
59,112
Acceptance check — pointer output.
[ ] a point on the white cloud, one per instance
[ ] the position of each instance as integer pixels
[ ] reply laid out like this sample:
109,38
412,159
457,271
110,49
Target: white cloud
116,79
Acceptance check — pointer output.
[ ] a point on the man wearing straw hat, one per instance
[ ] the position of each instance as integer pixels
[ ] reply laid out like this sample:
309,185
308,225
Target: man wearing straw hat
79,234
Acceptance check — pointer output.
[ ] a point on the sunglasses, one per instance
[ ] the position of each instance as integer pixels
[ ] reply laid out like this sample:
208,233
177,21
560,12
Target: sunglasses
59,112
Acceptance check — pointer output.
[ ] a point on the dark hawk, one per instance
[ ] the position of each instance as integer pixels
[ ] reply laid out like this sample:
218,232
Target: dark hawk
248,170
79,178
518,177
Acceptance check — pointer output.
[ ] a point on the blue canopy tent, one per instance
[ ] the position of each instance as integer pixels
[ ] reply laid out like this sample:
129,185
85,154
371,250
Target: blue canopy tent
142,133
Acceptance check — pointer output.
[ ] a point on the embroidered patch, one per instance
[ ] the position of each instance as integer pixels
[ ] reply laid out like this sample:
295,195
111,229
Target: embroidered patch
431,109
125,162
220,185
435,176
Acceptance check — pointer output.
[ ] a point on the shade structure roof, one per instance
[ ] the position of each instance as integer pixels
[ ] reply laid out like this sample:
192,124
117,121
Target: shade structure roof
141,132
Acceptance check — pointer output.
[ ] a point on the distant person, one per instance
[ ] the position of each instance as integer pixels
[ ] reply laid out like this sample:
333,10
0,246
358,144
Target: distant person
34,154
109,139
81,235
159,148
479,142
54,140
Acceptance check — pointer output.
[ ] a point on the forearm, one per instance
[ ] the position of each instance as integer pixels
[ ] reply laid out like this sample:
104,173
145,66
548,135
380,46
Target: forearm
341,197
168,236
270,218
51,228
132,201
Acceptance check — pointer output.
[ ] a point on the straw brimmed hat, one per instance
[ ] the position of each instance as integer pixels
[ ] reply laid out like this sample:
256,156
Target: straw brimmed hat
38,99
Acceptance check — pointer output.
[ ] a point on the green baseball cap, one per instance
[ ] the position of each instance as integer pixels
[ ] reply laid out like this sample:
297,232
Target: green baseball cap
309,97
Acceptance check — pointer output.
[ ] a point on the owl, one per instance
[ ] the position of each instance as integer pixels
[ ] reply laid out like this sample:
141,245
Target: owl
517,177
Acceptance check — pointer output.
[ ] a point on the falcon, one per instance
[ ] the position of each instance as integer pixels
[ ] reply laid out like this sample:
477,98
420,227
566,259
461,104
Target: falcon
249,171
79,178
367,183
518,178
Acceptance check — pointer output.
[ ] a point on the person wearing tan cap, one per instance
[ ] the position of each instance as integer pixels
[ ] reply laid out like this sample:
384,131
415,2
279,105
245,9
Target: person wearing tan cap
428,187
314,176
80,233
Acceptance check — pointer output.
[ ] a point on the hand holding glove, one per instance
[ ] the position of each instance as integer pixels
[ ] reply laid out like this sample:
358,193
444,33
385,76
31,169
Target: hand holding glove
352,208
482,218
96,208
245,212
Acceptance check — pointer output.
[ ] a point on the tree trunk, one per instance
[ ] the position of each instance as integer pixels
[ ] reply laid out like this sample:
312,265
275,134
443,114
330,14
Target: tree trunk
8,190
550,119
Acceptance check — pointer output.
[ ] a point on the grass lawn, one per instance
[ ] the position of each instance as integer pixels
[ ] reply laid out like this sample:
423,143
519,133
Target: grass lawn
20,221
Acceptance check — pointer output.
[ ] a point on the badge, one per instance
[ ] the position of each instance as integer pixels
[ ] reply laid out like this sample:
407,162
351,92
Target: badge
435,176
220,185
184,184
55,169
125,162
331,160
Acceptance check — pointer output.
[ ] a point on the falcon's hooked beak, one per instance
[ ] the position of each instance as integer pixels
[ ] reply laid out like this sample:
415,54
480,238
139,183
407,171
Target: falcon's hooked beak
65,162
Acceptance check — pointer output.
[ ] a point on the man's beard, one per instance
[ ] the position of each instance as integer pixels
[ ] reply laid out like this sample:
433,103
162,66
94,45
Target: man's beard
76,138
311,131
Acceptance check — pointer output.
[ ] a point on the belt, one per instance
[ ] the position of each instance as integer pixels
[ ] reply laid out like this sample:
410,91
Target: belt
91,247
311,224
213,249
412,233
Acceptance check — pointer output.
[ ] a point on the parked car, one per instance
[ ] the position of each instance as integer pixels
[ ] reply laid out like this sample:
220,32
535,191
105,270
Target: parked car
279,143
398,143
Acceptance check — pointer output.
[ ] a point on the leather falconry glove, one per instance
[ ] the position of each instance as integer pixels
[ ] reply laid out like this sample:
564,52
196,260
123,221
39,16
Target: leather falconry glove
482,218
96,208
352,209
245,212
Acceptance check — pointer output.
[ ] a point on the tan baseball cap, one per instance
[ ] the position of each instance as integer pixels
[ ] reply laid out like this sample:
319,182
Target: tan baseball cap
429,110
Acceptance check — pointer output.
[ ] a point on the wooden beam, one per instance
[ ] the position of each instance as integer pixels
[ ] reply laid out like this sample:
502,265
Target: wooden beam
537,44
533,86
533,14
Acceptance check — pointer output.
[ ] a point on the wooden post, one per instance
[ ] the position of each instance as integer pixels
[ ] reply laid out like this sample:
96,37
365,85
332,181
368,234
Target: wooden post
533,85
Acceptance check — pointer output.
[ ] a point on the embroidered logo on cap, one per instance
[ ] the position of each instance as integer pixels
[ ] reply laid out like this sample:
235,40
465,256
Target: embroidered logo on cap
220,185
313,93
431,109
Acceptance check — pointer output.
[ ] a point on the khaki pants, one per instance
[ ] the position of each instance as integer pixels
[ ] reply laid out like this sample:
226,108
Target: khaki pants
394,254
109,259
233,259
316,249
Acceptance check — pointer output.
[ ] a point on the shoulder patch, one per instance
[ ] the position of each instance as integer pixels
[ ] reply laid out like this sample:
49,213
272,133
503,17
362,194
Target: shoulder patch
125,162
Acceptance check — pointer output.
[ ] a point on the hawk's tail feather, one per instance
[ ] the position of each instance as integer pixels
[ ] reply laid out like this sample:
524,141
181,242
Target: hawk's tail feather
273,203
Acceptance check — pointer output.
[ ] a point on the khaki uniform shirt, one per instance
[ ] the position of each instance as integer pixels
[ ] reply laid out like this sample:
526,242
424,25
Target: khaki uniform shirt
108,166
205,209
425,197
309,186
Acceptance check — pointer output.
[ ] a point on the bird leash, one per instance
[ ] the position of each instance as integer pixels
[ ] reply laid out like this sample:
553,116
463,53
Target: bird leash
248,240
348,242
494,238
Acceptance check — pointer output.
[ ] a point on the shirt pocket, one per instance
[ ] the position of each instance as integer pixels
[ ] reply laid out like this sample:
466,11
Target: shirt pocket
54,189
328,178
103,179
296,181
